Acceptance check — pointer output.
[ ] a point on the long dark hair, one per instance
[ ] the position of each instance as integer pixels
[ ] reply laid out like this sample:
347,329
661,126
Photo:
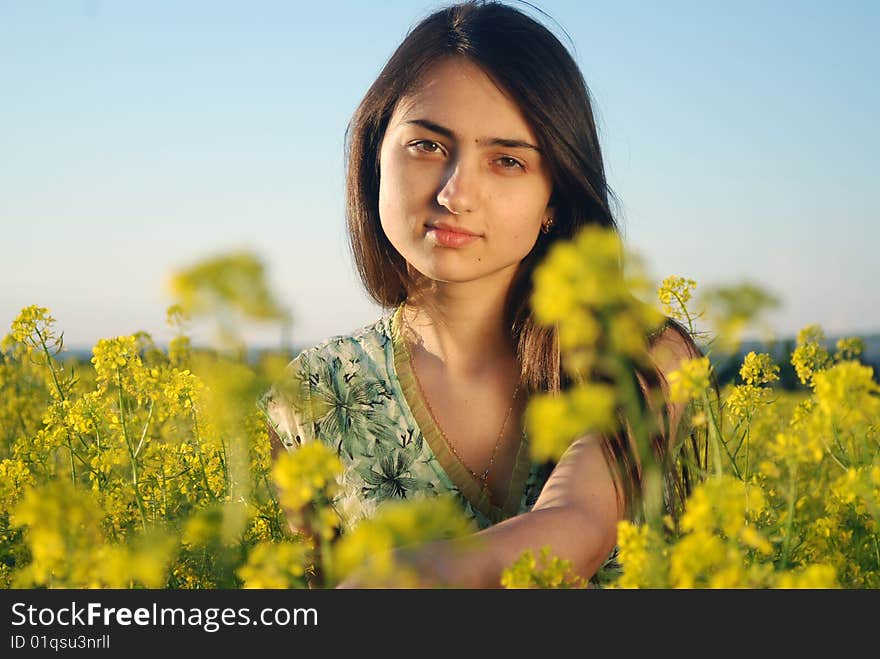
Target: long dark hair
526,60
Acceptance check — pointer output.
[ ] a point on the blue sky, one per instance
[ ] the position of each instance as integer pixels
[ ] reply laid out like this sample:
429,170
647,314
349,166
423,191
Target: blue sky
139,137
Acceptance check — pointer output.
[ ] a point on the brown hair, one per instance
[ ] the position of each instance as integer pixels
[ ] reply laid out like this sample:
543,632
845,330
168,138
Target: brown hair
525,59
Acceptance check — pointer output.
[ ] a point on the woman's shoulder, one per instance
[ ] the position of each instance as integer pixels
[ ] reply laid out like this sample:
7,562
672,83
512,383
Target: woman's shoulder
368,342
354,360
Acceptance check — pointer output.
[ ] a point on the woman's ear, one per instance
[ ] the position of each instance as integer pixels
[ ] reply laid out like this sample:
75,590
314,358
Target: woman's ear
549,219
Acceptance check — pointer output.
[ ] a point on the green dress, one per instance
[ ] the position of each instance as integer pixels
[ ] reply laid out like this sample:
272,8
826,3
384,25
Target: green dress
358,395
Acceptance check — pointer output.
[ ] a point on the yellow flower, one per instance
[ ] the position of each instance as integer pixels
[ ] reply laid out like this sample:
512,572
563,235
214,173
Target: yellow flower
369,547
15,477
857,487
304,473
582,273
276,565
143,562
118,361
849,348
722,503
63,532
579,329
553,421
32,328
643,557
809,356
796,447
751,537
176,316
203,527
690,381
758,369
731,575
769,469
812,577
180,350
744,400
181,389
234,281
547,572
693,557
810,334
848,388
674,294
327,522
802,413
626,335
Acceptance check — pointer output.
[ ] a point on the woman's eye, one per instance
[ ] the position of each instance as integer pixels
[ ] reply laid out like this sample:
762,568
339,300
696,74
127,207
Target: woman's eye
507,162
426,146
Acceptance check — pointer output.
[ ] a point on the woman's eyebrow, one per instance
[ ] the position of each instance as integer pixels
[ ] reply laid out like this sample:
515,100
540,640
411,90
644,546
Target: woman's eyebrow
484,141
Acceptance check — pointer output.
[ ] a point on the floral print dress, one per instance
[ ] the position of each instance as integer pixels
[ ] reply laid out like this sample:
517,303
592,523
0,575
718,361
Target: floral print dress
357,394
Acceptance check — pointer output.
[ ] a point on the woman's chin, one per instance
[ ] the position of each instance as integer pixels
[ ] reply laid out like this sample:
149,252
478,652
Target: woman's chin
461,274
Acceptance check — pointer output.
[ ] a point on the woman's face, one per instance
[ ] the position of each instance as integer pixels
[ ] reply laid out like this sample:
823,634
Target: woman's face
463,187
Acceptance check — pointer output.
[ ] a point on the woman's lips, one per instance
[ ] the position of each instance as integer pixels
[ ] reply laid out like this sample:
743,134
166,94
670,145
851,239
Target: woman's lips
448,238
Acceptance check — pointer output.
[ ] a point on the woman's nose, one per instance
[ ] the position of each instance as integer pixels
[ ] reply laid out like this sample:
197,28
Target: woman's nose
460,191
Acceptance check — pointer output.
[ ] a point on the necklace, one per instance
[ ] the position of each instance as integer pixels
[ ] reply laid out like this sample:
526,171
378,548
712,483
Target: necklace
483,477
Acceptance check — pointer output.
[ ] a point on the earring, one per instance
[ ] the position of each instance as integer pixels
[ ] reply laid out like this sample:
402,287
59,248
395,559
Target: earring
546,226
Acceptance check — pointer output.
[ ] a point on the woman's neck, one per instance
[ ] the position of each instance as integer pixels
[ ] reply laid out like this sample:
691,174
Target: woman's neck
461,325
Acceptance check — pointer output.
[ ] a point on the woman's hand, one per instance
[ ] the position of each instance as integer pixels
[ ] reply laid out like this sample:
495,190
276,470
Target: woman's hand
439,564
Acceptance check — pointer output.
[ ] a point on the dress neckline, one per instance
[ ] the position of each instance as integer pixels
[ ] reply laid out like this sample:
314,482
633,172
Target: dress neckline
458,473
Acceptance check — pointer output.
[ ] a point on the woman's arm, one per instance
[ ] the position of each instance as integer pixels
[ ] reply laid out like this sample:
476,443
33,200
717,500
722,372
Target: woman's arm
576,514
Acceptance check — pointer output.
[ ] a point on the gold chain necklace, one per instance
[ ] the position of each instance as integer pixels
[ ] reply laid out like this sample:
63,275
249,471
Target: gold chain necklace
484,476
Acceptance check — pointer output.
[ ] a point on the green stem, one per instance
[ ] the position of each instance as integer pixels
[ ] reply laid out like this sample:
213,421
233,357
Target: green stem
739,444
198,445
224,463
748,445
684,309
789,523
831,453
164,493
635,415
62,397
97,431
49,361
275,503
715,438
144,431
836,436
103,479
131,454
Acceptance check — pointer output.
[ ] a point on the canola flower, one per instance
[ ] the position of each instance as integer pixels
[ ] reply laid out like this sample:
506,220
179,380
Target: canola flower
553,422
376,548
690,381
132,436
276,565
150,467
305,473
744,400
546,571
809,356
674,293
644,556
758,369
729,310
585,292
849,348
797,505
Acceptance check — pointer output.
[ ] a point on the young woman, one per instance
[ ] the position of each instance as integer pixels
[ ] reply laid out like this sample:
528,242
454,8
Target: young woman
470,155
